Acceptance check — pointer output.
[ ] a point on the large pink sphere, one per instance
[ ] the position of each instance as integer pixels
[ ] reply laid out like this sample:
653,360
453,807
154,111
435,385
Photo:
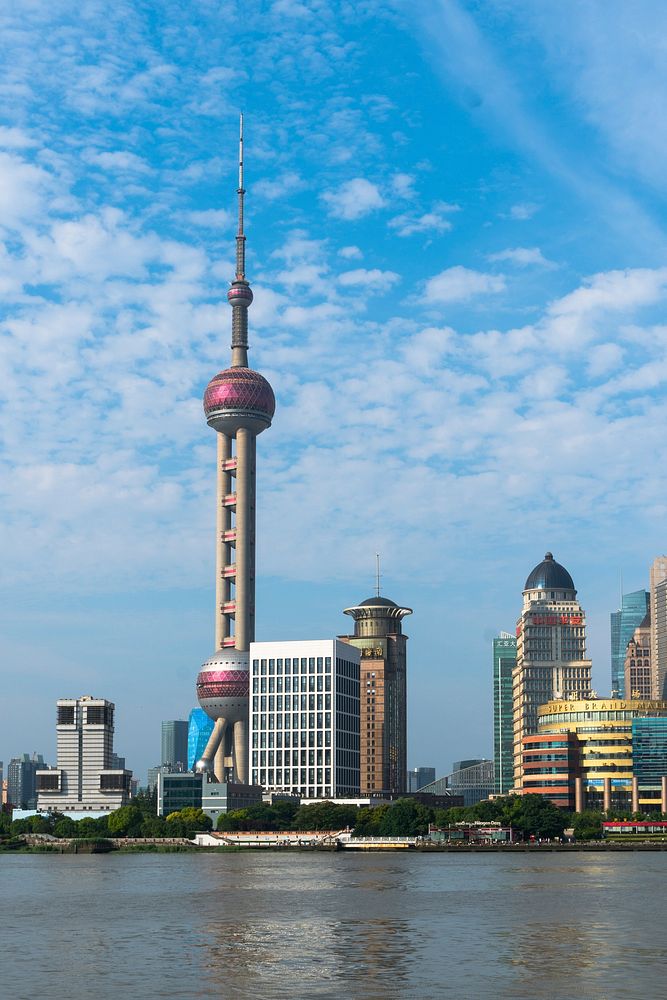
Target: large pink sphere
239,397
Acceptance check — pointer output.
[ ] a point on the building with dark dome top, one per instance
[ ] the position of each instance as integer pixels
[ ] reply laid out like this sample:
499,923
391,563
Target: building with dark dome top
551,652
378,634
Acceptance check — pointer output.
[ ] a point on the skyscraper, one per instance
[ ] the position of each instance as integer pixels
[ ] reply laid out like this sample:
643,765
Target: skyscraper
637,666
21,780
420,776
658,600
378,634
200,727
623,623
174,742
504,662
239,404
84,778
551,650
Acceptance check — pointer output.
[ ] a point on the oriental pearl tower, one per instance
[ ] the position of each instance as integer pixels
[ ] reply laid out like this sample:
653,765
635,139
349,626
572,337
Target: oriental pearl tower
239,404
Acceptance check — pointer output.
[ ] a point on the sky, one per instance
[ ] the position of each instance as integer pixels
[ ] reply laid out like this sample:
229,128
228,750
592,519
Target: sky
457,242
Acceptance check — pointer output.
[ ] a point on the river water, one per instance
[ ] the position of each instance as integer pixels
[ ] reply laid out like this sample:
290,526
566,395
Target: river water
256,925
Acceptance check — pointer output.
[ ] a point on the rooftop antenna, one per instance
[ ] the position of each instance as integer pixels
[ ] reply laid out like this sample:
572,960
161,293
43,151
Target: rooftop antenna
377,574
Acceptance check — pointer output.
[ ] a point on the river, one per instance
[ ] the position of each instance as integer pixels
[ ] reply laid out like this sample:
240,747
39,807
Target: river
378,926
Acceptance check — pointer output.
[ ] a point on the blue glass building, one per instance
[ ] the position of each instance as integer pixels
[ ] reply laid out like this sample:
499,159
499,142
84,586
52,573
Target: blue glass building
623,624
504,662
200,727
649,751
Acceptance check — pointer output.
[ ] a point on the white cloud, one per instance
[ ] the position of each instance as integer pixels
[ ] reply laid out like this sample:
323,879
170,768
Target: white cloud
403,185
280,186
350,253
121,160
459,284
523,257
211,218
435,221
374,279
523,210
354,199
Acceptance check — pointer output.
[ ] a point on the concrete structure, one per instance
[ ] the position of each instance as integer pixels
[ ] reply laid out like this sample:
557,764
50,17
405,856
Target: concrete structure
658,611
187,789
22,780
239,404
469,782
623,622
379,637
84,779
504,662
174,743
305,718
637,673
551,651
598,754
420,776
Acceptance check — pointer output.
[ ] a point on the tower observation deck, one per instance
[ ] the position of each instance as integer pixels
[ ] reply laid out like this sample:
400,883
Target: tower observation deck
238,404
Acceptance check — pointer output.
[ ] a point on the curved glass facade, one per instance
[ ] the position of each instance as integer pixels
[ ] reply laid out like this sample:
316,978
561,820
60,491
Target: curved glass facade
200,727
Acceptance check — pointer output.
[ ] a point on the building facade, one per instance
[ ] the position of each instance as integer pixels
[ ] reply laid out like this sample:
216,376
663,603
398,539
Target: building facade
22,780
623,623
238,404
382,644
637,666
84,778
174,743
551,651
304,731
504,662
418,777
598,754
658,611
469,782
200,727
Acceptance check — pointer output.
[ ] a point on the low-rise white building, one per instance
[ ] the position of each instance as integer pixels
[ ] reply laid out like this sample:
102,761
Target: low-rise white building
84,779
304,718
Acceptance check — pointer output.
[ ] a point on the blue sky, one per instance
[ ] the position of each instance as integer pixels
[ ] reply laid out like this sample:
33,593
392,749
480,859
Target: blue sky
456,239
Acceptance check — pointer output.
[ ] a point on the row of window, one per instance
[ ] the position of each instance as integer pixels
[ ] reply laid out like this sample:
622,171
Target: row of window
294,665
260,685
291,758
291,702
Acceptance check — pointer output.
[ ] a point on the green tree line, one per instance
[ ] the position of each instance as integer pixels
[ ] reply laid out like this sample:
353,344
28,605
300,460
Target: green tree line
527,815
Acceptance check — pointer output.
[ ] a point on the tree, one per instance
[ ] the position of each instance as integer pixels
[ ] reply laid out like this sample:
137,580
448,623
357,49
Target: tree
405,818
64,827
587,825
125,822
187,822
368,820
324,816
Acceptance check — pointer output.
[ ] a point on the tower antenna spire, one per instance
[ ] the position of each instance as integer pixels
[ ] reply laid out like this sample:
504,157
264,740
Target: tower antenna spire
240,237
377,574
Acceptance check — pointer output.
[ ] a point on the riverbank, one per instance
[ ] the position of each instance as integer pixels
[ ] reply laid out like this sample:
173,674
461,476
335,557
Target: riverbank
33,845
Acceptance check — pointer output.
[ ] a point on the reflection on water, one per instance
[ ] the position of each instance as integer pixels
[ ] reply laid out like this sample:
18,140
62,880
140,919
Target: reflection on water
331,925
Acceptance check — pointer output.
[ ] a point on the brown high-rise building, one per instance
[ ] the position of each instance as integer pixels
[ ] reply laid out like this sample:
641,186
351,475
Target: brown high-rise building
379,636
637,669
551,651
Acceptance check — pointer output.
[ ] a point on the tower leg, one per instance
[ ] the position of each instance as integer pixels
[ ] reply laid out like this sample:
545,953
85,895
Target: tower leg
241,751
215,741
219,762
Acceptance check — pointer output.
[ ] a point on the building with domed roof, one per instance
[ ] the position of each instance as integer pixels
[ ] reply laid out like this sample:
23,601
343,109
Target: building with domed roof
551,651
378,635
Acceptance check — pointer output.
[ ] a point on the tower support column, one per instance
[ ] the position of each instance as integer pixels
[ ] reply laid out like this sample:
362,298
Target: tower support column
245,538
222,524
241,751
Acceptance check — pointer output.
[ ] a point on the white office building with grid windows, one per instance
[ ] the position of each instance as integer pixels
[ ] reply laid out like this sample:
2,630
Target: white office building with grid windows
304,718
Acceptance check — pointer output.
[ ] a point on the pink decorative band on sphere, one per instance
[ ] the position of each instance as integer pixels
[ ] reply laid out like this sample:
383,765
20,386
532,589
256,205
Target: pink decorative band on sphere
223,684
